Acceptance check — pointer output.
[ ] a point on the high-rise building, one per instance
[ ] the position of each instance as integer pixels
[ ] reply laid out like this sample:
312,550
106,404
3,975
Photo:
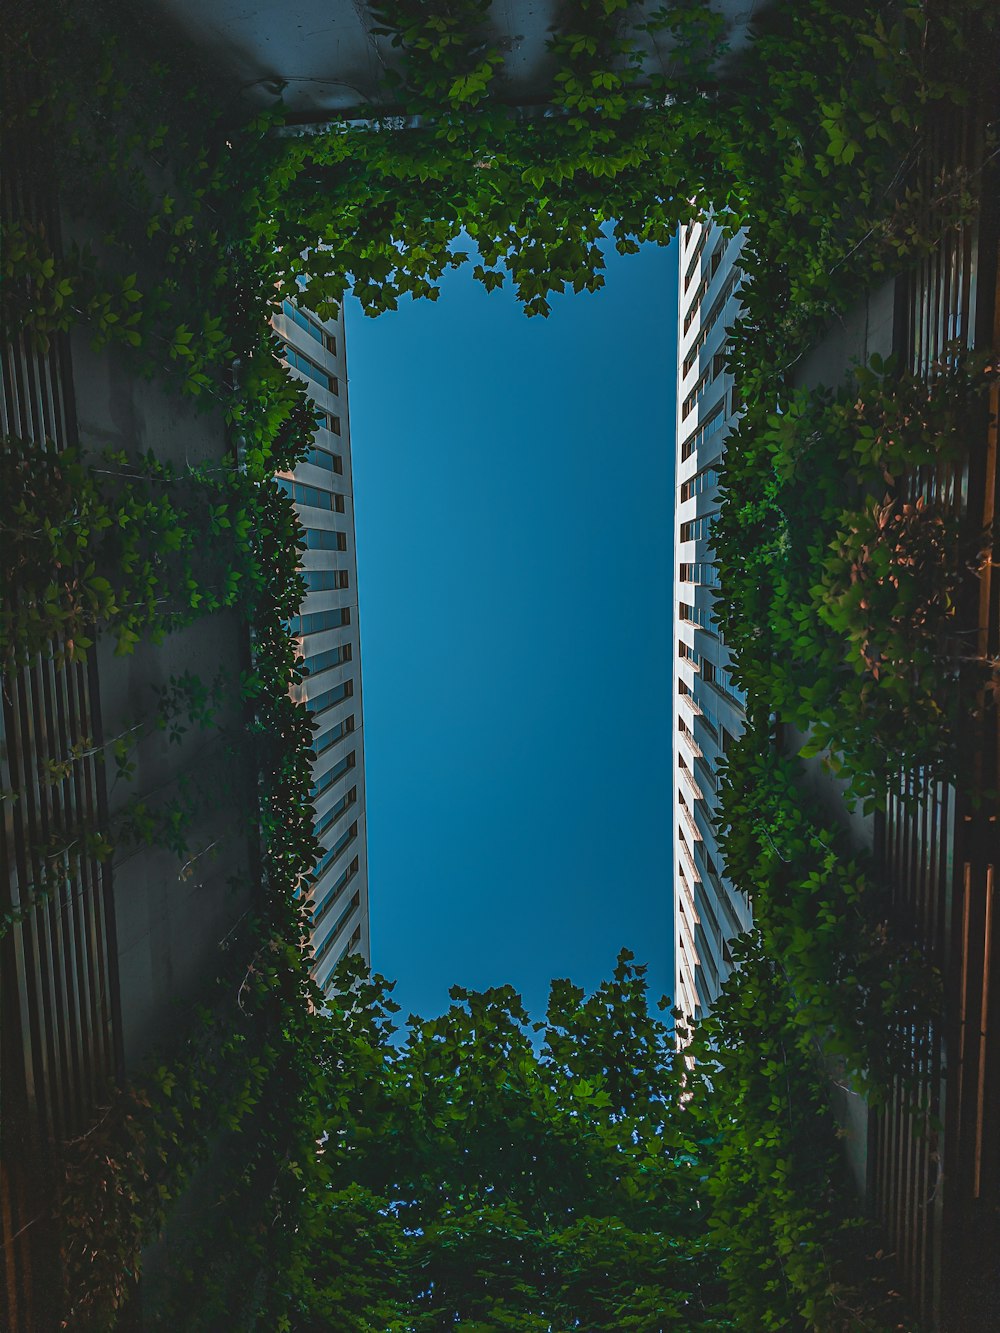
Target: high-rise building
708,706
327,630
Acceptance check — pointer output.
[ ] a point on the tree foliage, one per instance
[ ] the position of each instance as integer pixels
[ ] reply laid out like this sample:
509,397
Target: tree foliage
487,1172
846,590
125,546
479,1172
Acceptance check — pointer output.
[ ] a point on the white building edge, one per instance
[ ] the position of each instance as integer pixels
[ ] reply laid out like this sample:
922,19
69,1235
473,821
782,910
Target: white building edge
708,709
328,635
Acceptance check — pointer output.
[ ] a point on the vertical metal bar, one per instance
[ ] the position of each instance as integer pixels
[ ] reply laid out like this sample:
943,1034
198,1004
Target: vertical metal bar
983,1029
963,991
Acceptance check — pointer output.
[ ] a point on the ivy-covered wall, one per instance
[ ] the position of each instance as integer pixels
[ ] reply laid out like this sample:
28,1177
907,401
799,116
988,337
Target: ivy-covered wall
840,600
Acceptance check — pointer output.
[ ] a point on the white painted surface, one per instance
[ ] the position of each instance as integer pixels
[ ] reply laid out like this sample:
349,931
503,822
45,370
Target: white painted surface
341,924
708,912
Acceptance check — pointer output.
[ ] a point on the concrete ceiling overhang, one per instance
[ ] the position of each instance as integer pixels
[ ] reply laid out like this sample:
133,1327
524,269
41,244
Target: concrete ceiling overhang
324,59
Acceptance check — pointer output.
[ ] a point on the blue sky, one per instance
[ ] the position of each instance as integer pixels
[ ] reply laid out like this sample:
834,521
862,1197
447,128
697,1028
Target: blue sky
513,484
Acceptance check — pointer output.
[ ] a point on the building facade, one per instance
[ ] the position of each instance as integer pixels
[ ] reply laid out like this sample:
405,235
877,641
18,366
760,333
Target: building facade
708,707
327,631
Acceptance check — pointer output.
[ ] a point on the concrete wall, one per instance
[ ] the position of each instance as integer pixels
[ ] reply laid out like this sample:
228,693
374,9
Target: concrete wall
172,917
324,57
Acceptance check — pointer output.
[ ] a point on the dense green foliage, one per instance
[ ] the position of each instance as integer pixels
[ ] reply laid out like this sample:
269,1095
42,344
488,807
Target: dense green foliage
531,186
482,1173
791,1253
484,1181
467,1175
860,991
844,591
129,548
810,133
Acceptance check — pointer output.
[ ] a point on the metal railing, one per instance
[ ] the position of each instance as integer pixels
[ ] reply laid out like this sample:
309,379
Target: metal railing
59,1023
935,1172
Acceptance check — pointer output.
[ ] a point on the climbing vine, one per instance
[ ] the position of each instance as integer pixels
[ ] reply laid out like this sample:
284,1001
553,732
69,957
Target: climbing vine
126,547
845,584
860,991
194,219
791,1248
